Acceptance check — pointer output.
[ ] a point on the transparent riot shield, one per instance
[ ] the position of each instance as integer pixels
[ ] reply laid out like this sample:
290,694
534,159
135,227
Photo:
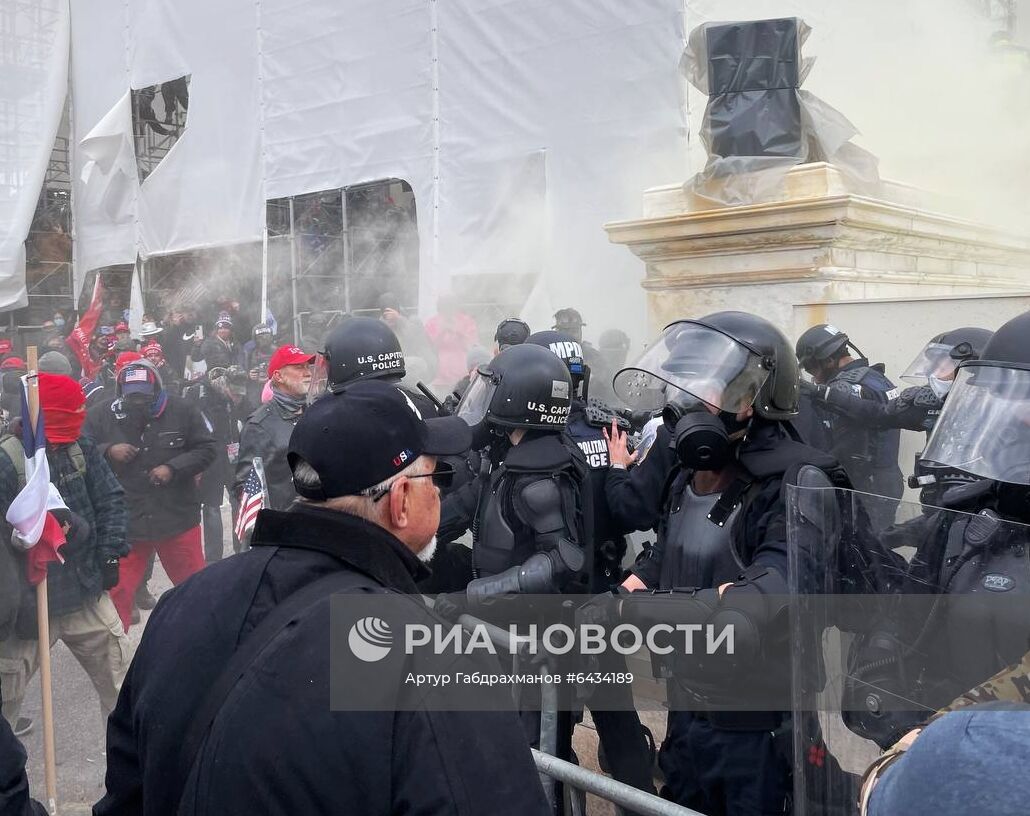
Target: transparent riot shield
888,627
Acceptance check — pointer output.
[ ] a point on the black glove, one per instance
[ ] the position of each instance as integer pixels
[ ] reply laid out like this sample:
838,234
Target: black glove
814,390
451,605
109,572
78,530
601,610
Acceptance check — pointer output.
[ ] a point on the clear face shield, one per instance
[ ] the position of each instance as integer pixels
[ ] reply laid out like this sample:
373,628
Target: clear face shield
319,384
690,363
476,400
984,428
934,366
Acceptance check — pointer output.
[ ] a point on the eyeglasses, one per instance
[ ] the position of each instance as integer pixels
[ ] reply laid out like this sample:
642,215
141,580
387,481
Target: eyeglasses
442,476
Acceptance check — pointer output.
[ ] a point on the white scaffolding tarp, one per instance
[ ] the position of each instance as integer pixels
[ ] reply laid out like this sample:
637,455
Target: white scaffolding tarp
513,123
33,85
208,189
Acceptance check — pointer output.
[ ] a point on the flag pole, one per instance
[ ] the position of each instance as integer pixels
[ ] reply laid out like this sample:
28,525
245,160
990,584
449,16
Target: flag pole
43,620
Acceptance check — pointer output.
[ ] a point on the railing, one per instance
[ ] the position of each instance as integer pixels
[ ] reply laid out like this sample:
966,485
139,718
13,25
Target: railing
604,787
552,769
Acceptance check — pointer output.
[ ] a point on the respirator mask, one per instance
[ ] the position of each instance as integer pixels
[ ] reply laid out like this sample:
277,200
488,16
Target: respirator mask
703,440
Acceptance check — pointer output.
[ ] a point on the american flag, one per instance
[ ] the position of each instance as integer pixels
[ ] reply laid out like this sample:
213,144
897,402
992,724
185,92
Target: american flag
252,499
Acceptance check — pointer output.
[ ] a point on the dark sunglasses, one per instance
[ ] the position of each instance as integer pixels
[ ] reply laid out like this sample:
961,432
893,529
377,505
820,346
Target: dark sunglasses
442,477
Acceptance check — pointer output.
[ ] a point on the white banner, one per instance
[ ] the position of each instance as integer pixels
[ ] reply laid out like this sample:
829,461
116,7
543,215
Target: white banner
33,85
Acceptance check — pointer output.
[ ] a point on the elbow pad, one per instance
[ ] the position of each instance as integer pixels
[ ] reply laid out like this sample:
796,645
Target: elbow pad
542,573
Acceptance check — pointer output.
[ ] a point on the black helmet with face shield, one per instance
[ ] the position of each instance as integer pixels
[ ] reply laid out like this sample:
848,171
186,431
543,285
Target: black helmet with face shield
936,363
525,386
359,348
705,375
729,360
984,427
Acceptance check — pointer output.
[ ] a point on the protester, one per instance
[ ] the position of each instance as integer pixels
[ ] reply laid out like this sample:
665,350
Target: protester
123,338
409,330
452,333
218,351
56,344
157,444
154,353
267,432
81,612
221,398
257,353
53,362
367,521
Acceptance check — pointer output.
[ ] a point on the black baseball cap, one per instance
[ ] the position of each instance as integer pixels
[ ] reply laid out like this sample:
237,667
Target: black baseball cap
511,332
364,435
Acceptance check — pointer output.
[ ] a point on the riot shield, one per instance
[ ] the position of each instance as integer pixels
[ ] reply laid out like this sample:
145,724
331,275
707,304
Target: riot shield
888,627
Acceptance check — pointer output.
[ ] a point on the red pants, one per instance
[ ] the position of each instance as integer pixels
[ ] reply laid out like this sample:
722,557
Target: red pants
181,556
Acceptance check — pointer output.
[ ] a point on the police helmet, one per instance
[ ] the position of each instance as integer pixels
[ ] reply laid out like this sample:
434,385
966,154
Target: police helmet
566,349
525,386
820,343
942,355
984,427
358,348
730,360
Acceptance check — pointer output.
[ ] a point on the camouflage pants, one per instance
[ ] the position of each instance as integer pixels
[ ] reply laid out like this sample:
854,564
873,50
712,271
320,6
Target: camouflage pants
94,635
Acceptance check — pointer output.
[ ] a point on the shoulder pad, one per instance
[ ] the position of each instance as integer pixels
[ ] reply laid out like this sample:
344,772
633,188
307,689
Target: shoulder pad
542,454
539,505
853,376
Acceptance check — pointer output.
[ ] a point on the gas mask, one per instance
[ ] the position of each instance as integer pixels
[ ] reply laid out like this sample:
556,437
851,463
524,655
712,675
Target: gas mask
702,440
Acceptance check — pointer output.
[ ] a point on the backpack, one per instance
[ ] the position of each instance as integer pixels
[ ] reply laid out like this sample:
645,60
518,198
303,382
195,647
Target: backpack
17,598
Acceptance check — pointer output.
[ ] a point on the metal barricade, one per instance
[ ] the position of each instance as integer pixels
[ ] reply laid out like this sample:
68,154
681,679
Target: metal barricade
604,787
553,770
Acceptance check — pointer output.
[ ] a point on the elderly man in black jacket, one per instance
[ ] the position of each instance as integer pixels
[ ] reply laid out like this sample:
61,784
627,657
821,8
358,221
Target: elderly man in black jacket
267,432
365,464
157,444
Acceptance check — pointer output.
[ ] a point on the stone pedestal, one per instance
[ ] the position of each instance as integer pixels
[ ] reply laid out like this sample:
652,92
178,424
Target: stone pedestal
820,244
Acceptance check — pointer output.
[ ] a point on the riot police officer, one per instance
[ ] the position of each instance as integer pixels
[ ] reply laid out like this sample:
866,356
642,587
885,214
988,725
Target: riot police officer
531,506
625,743
530,509
358,348
915,408
869,454
585,428
916,657
984,430
729,384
